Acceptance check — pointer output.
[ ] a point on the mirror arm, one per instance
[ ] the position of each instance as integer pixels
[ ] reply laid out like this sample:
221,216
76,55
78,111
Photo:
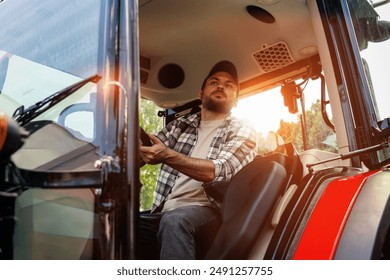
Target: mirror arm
324,103
380,3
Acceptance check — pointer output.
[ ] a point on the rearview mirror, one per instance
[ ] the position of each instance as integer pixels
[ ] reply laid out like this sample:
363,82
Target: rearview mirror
368,27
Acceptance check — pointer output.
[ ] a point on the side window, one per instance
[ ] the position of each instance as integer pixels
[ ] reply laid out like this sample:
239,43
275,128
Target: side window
376,58
371,24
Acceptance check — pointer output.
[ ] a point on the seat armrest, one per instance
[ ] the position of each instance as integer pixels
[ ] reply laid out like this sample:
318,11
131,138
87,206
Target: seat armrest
216,190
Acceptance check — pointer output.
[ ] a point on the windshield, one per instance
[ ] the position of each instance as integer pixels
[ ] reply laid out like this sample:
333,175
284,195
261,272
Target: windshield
55,46
46,48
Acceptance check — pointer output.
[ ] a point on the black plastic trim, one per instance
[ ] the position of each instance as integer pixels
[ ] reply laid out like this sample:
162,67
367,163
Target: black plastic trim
366,230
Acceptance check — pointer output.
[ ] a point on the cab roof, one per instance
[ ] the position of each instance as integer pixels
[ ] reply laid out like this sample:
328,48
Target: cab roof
269,41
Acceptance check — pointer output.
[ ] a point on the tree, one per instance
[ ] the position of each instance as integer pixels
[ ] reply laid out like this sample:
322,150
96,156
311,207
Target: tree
151,123
317,130
291,132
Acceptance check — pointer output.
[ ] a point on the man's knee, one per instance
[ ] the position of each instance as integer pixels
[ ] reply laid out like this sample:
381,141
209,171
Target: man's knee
175,221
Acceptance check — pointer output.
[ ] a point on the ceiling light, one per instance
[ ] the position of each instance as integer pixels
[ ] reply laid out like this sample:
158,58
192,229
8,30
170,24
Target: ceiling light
268,2
308,50
167,105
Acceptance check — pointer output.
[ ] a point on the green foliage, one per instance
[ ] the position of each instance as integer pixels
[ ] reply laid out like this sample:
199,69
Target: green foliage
291,132
317,130
148,173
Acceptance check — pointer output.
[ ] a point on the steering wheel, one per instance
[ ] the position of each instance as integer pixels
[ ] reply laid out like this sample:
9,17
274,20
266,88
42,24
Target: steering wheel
145,140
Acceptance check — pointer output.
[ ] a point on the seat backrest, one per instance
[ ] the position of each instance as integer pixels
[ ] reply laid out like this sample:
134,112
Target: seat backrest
249,199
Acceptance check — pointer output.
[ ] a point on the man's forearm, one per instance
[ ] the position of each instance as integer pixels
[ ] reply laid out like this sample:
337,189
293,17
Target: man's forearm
196,168
199,169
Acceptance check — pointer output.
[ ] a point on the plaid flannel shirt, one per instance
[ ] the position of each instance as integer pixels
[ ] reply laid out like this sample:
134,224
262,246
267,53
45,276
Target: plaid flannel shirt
232,147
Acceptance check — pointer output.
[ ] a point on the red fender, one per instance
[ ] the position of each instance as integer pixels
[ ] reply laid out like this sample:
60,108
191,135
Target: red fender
326,224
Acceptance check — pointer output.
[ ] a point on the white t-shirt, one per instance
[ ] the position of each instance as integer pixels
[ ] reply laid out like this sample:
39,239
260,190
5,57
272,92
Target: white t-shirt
186,190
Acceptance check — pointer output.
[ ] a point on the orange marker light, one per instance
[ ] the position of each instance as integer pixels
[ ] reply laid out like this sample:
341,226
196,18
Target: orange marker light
3,129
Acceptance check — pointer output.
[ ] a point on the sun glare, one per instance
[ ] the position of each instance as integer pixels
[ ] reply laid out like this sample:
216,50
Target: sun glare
264,111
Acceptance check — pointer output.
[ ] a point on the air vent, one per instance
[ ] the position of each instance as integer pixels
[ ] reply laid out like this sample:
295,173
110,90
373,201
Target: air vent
273,57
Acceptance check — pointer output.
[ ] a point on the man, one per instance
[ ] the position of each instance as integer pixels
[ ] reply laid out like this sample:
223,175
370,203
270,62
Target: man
208,146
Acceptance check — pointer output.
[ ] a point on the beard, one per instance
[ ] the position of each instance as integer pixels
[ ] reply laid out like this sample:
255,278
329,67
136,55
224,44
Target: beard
216,105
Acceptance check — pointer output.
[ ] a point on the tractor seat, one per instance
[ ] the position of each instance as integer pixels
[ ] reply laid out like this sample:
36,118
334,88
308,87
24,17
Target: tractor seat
249,199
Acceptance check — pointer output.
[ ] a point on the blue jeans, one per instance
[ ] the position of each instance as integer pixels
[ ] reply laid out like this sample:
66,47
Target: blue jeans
184,233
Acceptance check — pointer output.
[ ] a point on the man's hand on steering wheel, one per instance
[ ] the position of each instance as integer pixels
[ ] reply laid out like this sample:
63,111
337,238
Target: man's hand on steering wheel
156,153
144,137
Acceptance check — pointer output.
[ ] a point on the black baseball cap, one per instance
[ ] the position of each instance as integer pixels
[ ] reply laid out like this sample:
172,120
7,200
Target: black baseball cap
223,66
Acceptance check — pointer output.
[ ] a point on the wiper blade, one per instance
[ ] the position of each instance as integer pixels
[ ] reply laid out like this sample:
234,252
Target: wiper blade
23,116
